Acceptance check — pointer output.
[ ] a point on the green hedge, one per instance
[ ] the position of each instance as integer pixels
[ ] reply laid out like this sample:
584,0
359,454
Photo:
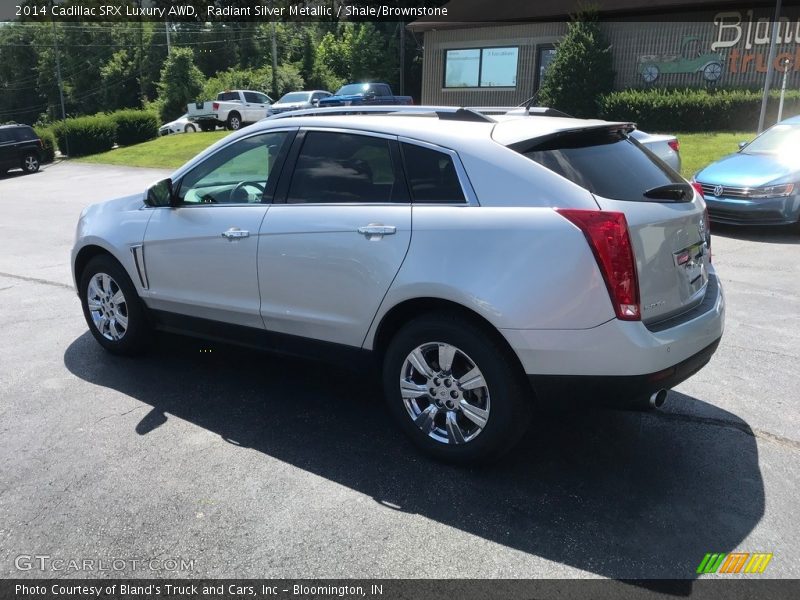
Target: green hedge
135,126
695,109
80,136
48,143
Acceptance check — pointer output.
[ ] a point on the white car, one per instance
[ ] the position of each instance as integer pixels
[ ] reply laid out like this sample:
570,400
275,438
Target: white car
299,100
483,263
180,125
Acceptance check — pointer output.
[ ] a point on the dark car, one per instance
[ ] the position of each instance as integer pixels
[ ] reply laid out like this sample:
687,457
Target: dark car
20,148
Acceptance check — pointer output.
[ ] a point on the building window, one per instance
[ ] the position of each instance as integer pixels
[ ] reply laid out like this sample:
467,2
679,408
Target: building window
481,67
545,53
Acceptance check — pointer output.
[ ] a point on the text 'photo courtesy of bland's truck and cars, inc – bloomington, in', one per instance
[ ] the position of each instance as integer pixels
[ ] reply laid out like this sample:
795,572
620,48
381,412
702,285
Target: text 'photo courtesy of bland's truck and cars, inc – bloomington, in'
405,300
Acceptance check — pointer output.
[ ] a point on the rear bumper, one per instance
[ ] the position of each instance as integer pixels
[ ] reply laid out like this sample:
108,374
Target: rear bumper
768,211
624,392
627,356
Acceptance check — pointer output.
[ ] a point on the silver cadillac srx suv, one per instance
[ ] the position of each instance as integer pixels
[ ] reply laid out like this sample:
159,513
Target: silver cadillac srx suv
485,263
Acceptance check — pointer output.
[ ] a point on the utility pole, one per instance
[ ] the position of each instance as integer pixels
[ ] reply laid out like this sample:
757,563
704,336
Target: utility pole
770,67
785,63
274,58
402,59
58,74
169,46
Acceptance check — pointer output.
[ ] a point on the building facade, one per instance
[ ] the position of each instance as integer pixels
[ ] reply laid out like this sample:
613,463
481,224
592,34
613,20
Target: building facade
504,64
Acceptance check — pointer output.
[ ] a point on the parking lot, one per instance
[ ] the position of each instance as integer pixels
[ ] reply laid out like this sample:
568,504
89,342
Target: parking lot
251,465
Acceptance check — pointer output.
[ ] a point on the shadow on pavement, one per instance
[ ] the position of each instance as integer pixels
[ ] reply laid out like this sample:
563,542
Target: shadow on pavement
778,234
619,494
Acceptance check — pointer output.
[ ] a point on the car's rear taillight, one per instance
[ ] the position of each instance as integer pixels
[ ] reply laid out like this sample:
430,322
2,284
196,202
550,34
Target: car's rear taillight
674,144
215,106
698,188
608,237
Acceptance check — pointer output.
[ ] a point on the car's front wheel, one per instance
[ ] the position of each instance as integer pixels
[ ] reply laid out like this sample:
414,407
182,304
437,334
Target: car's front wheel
112,308
30,163
189,128
455,389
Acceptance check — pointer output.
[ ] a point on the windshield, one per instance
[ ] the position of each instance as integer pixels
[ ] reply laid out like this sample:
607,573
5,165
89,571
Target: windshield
779,138
352,89
295,97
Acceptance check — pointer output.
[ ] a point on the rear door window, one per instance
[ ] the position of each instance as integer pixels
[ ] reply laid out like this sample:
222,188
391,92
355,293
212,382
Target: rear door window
24,134
606,162
431,175
344,168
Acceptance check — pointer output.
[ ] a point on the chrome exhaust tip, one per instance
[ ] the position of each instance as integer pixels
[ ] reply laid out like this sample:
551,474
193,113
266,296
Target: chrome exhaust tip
658,398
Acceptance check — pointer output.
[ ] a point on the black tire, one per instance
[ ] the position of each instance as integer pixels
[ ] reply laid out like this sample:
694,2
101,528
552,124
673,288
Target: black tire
510,395
189,128
30,162
138,332
206,127
234,122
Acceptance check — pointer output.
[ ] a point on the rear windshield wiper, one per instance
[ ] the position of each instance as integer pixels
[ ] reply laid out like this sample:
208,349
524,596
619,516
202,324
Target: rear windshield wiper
673,192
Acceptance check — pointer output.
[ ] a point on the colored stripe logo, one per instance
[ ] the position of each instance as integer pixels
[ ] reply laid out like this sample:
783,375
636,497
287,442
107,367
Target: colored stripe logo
735,562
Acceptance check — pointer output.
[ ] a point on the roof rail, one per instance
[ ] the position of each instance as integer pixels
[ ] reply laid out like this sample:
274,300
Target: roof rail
445,113
453,113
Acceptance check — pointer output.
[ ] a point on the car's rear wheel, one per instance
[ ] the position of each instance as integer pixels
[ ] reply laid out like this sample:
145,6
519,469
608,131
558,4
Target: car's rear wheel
455,390
189,128
234,122
113,310
30,163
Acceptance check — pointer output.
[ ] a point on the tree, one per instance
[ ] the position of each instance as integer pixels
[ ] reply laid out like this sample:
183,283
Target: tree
181,82
581,71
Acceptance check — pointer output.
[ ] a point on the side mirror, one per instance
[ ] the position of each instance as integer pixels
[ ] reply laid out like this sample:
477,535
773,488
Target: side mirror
742,144
159,194
315,102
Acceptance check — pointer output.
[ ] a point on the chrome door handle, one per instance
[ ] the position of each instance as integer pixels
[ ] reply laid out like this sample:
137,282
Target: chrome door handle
234,233
374,230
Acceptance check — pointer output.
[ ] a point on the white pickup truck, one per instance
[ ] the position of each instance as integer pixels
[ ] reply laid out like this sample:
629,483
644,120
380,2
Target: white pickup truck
232,109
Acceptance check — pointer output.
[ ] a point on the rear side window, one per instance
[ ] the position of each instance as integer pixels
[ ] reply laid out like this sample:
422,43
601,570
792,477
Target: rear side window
228,97
5,136
431,175
24,134
344,168
606,163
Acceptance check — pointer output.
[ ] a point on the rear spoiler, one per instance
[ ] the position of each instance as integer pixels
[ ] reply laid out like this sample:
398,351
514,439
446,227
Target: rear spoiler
524,146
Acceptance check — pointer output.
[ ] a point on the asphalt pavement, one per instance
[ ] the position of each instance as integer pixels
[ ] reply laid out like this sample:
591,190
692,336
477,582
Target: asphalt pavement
249,465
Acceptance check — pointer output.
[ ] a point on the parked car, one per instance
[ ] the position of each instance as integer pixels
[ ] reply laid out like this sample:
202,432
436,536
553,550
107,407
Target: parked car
299,100
180,125
365,94
20,148
759,184
666,147
232,109
550,258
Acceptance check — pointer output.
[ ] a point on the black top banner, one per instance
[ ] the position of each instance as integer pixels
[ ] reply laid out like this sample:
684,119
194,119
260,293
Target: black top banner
407,11
210,10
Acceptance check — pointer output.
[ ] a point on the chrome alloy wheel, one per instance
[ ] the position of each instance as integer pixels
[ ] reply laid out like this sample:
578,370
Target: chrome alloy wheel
31,163
444,393
107,306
